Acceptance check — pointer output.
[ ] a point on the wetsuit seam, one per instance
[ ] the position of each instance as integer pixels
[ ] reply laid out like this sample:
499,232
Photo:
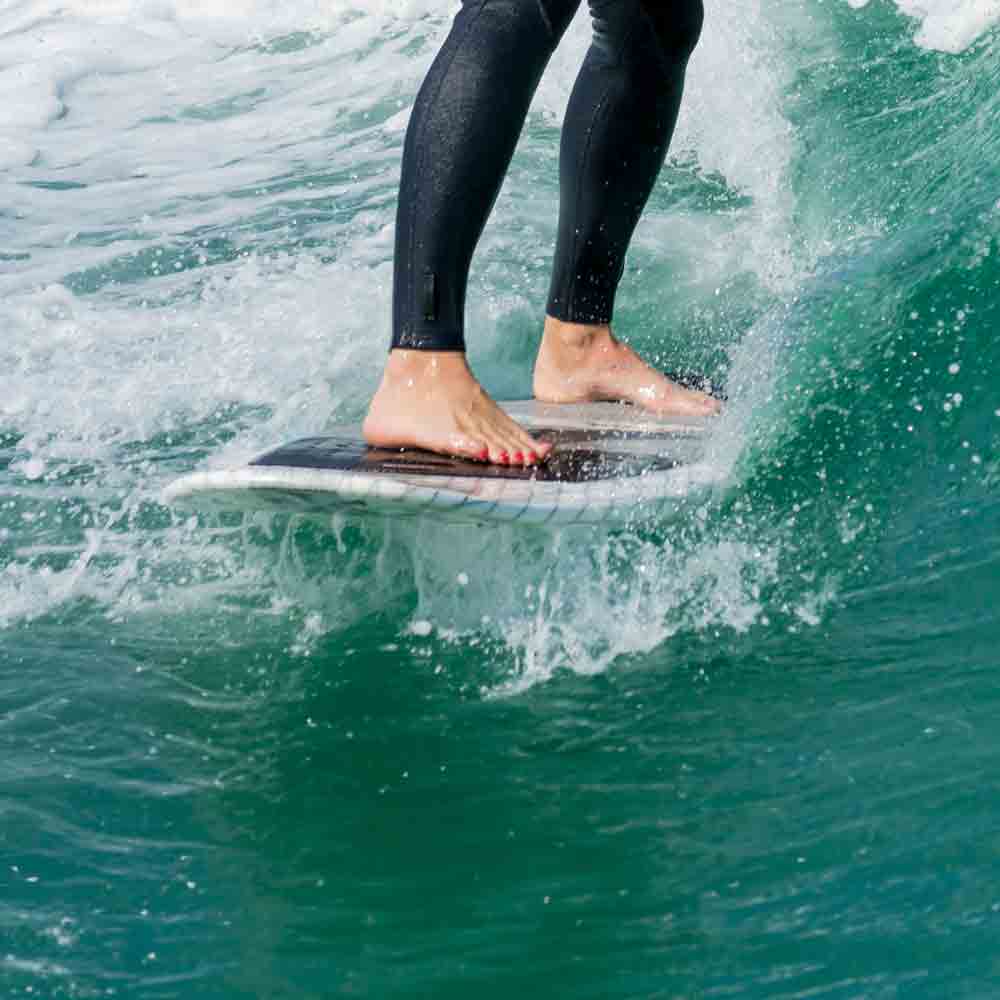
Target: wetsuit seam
571,294
421,156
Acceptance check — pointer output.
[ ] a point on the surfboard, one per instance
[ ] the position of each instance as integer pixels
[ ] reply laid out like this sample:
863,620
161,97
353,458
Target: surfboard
608,461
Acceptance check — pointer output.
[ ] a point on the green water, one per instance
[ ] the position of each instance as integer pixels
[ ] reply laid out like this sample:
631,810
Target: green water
749,750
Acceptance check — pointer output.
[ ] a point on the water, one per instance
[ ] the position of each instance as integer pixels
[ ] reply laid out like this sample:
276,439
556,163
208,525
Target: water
749,750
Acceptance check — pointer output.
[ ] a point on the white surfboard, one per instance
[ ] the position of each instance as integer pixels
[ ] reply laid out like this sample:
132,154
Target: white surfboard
608,460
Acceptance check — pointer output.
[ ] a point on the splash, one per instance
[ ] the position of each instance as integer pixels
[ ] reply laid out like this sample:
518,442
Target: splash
948,25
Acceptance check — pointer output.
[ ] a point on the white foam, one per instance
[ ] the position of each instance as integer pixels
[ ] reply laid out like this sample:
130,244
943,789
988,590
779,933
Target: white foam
948,25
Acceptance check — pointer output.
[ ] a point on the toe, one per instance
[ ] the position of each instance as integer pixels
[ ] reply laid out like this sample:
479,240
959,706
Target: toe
515,448
537,453
534,452
499,454
542,449
525,442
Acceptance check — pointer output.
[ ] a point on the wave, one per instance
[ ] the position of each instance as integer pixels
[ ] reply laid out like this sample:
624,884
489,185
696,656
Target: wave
199,235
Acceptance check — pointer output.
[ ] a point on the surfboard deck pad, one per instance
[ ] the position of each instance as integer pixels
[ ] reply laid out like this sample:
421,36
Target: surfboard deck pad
607,460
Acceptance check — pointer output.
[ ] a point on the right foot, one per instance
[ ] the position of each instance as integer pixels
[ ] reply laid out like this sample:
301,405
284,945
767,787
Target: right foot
431,400
578,363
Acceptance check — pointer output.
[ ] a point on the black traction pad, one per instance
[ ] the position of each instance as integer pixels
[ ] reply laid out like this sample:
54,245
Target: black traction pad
566,463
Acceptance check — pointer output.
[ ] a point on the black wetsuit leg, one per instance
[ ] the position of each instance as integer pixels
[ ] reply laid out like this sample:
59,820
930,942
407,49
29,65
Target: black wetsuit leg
466,122
618,125
462,133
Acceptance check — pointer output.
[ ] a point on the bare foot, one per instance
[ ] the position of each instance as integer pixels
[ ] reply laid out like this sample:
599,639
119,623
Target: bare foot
431,400
578,363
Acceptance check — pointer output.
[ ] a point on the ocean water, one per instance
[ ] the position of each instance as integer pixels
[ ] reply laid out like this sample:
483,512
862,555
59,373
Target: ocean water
747,750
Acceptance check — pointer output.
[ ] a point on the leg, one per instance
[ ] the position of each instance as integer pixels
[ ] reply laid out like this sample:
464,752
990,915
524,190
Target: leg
618,126
462,133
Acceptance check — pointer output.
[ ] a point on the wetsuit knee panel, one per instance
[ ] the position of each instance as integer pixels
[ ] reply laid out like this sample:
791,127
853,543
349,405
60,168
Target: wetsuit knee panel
678,26
622,34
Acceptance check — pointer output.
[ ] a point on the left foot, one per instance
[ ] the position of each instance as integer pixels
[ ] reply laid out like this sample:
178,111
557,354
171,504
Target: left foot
579,364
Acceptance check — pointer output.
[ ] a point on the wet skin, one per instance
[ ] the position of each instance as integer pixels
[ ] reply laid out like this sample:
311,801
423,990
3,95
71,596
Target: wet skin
431,399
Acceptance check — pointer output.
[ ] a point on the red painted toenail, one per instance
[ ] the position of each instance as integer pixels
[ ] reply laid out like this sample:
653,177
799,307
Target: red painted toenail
504,457
518,456
532,458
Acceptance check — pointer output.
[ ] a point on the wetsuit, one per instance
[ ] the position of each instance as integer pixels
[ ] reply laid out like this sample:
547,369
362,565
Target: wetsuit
467,119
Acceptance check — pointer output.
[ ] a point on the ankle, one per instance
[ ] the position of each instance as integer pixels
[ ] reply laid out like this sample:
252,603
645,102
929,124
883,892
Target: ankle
573,337
407,365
